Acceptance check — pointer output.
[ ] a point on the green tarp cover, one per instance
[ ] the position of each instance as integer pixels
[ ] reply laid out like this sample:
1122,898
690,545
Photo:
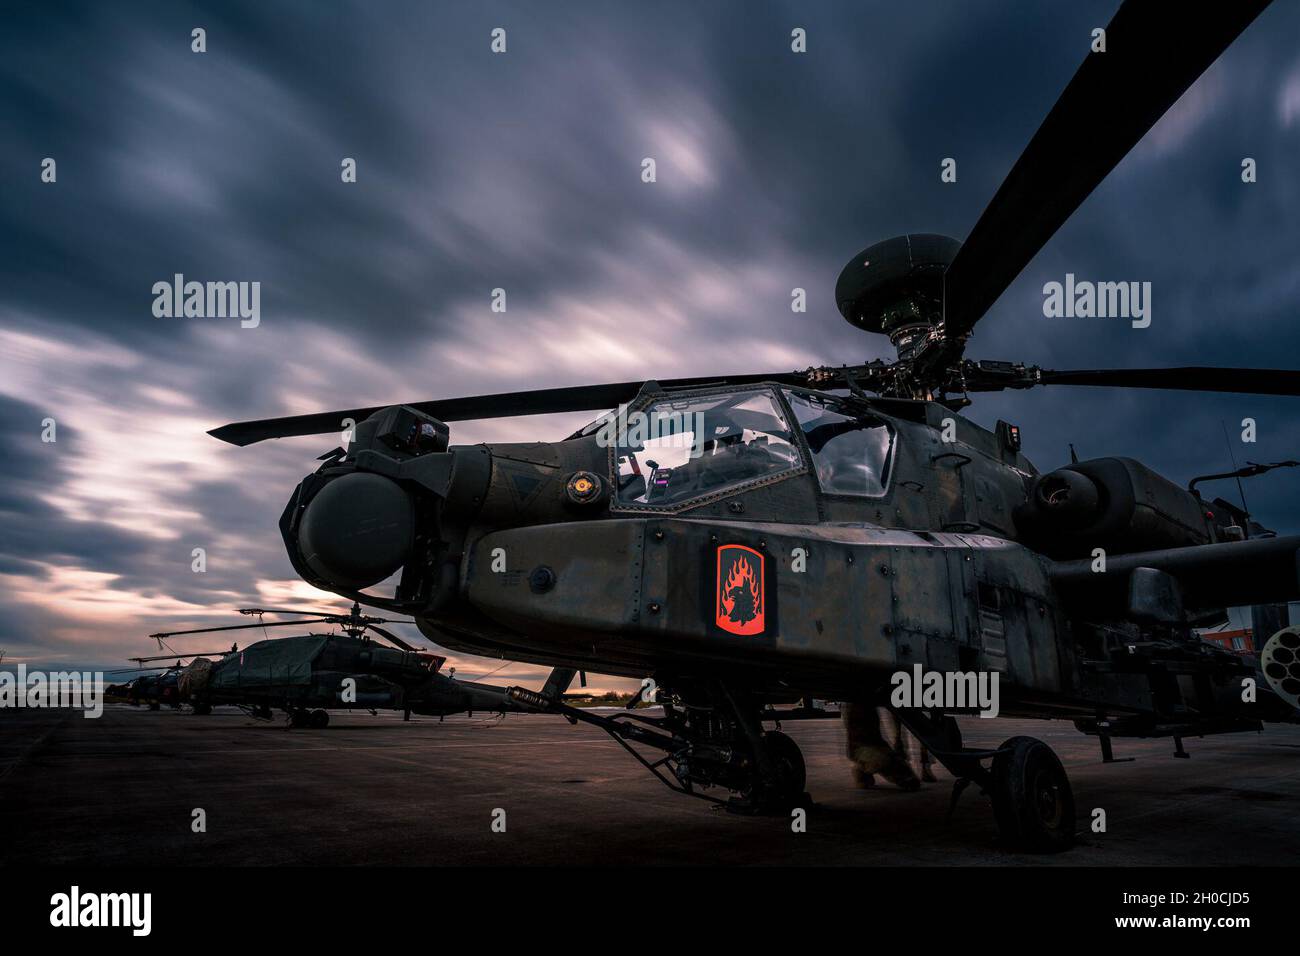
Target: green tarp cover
285,662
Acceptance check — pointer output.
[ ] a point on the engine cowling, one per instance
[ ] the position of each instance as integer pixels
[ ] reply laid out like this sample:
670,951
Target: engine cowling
1117,504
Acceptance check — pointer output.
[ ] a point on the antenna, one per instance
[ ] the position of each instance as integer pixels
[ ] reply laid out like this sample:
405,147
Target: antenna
1241,490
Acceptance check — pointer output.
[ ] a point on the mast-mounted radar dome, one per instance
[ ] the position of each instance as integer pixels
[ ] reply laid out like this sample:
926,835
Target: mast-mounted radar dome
895,287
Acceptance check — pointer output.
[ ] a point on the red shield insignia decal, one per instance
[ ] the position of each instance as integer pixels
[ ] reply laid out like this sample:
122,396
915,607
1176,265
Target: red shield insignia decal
741,598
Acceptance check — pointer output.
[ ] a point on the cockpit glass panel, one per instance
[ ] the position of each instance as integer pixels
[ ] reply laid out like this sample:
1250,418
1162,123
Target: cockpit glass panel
593,427
851,453
679,449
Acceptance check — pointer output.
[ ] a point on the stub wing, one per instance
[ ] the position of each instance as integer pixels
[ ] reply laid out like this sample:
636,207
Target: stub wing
1159,585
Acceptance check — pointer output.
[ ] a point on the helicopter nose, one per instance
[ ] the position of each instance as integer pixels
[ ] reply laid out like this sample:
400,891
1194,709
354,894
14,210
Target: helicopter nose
357,530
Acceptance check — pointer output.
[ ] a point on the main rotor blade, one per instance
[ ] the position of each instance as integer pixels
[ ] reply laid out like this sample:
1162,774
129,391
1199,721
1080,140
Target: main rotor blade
576,398
391,638
1154,52
177,657
328,616
1195,378
241,627
277,610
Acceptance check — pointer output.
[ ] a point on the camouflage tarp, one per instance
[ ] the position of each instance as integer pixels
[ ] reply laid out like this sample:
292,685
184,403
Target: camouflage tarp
284,662
195,677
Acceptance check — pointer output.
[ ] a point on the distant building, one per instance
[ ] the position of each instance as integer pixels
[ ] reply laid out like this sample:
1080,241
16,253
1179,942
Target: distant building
1241,641
1265,620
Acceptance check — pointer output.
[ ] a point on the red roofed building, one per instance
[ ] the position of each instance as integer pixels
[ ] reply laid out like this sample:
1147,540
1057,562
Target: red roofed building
1240,641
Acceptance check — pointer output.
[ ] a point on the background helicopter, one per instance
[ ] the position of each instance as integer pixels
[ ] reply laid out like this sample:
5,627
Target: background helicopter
823,541
305,674
159,686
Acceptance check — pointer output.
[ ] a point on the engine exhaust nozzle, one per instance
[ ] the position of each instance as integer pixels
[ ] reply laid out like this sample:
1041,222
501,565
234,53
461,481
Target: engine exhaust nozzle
1067,498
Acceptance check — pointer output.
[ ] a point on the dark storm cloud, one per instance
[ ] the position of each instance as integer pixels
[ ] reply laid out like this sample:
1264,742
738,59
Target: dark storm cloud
521,171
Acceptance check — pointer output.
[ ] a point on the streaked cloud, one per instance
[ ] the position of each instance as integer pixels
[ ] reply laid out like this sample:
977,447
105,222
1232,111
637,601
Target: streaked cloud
523,172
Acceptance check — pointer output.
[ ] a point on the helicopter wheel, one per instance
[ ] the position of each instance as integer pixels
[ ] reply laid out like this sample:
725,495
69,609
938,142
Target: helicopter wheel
787,787
319,719
1032,800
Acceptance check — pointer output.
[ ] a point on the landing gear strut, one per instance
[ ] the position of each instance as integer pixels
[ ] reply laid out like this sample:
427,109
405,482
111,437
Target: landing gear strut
1033,804
711,737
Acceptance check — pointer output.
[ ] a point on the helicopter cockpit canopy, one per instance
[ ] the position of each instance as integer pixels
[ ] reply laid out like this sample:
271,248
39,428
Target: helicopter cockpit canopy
852,452
679,449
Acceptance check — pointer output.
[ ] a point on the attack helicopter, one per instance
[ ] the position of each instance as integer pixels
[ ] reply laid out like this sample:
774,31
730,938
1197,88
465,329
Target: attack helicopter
773,538
305,674
154,689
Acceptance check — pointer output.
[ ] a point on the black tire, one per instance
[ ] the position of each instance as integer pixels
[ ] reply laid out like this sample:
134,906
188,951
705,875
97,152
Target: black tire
202,710
1032,800
300,718
154,705
320,719
791,773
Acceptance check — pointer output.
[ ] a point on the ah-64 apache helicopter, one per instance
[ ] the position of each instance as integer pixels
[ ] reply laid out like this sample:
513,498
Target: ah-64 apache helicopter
924,538
305,674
